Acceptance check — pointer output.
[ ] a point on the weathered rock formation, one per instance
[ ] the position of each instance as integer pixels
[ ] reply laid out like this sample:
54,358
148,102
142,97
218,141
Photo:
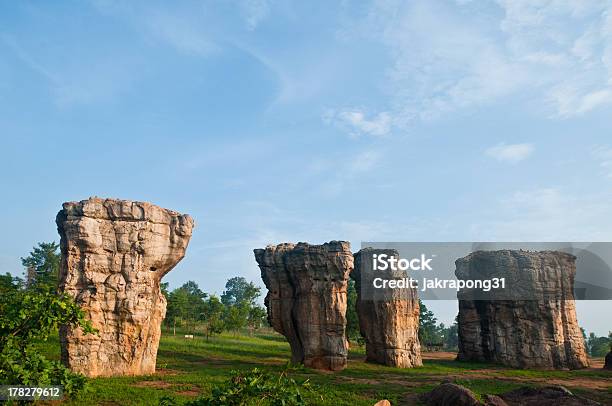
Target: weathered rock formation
114,254
539,330
306,299
450,394
388,318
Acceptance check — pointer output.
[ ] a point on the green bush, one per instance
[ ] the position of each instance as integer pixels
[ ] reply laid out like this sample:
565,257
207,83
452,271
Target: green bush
256,387
28,317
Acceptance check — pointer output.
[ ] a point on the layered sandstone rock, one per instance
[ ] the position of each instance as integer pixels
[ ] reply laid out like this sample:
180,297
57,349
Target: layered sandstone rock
537,329
450,394
114,254
388,318
306,299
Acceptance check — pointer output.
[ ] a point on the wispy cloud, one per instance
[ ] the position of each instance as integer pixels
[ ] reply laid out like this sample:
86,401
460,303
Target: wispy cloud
579,37
74,82
448,57
546,214
356,122
182,28
510,153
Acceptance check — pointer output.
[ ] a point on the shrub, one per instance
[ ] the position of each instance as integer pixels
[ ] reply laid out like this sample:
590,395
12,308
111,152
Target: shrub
256,387
27,317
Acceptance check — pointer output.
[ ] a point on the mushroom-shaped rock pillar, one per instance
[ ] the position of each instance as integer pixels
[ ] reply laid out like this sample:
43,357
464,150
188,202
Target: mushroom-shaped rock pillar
307,298
114,254
388,318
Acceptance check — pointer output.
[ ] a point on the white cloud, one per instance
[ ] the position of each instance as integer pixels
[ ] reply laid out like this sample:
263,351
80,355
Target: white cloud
510,153
572,100
357,123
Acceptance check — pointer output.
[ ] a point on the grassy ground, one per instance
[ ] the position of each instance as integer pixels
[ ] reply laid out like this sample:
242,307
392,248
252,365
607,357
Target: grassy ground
190,368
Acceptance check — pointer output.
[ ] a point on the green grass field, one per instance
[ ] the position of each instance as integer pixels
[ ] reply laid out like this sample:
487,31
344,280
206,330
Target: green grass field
190,368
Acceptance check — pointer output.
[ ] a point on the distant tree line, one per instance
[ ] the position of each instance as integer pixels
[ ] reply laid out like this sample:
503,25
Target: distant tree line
192,310
597,346
434,335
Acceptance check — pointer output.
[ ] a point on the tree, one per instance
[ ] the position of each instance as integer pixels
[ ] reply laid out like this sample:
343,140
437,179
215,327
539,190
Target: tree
352,320
194,291
256,318
429,332
42,266
241,309
9,283
598,346
185,305
239,291
163,287
212,316
30,316
235,317
178,308
451,336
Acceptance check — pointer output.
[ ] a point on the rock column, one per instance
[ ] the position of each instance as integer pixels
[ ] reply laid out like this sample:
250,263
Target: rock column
539,329
307,300
114,254
388,318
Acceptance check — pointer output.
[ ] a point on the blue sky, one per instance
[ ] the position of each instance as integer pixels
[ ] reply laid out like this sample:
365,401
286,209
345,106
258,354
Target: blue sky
273,121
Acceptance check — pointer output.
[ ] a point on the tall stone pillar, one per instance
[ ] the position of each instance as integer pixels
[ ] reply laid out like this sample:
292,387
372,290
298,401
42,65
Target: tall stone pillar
307,300
388,318
537,330
114,254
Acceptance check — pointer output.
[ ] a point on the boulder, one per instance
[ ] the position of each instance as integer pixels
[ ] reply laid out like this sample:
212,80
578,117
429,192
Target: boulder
541,332
306,299
114,254
608,361
450,394
388,318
